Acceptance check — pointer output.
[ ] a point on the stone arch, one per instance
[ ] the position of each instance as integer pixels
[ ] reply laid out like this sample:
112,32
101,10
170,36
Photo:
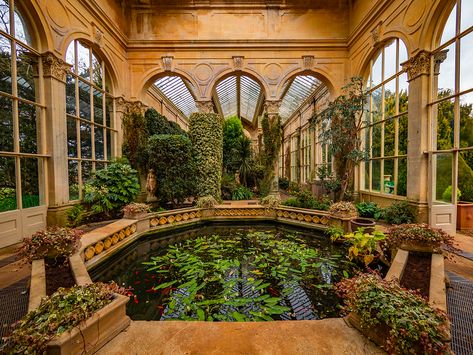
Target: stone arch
36,25
322,75
435,24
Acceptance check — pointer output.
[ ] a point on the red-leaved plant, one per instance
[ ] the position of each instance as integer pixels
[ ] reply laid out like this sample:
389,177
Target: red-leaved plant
53,242
418,234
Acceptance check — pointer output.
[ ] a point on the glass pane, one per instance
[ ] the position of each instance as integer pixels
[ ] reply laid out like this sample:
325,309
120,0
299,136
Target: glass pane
71,137
6,124
85,140
376,178
84,100
97,71
70,56
466,20
86,171
7,184
465,176
73,180
98,133
21,31
376,70
98,107
109,145
390,60
376,143
367,175
390,98
466,53
446,78
466,120
402,54
27,65
5,65
70,95
83,61
109,112
389,130
443,165
402,148
402,177
5,16
376,102
29,182
445,124
450,27
28,128
403,93
388,177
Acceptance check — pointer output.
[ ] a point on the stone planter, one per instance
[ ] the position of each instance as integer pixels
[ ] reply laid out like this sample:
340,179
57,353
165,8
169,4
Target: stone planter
465,215
367,224
138,215
94,332
378,334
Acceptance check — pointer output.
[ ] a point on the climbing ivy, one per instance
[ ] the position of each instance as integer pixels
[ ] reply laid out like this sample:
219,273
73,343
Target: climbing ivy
272,133
206,134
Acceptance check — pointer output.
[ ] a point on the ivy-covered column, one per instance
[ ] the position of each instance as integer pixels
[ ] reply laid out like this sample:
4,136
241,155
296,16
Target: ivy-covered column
206,134
272,143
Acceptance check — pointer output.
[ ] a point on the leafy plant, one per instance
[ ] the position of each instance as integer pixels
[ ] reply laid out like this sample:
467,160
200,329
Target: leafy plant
232,133
334,232
414,326
229,185
270,201
418,234
447,194
369,210
155,123
134,138
343,208
206,202
242,193
362,246
62,311
399,212
206,134
305,199
283,183
272,133
135,208
52,242
76,215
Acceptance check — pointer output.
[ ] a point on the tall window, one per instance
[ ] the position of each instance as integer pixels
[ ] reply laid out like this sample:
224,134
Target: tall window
91,131
294,159
386,135
22,153
305,156
452,107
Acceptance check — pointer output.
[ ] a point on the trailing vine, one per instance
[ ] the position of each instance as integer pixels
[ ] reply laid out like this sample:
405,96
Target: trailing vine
134,138
272,133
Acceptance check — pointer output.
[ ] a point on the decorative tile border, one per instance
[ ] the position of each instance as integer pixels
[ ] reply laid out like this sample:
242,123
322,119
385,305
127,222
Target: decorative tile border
171,217
301,215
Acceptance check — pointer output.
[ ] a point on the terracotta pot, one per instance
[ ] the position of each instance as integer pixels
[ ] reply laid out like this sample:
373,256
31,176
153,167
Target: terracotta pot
365,223
464,215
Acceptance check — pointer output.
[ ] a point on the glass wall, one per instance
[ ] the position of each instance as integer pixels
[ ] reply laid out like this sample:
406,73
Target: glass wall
386,136
306,155
294,159
91,131
451,108
22,154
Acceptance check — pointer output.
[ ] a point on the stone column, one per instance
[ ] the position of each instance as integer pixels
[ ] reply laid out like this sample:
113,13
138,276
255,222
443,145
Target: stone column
271,108
54,74
418,72
205,106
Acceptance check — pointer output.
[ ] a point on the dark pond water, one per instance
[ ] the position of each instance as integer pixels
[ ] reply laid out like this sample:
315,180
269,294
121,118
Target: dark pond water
223,272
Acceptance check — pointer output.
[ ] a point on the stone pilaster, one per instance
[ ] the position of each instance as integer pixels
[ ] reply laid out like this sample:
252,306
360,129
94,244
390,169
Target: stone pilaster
271,107
205,106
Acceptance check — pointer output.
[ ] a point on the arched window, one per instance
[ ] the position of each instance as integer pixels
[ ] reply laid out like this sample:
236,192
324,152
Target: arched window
452,107
91,131
386,135
22,151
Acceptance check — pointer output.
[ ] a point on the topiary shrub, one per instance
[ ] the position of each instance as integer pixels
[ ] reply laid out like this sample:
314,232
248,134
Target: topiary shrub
272,133
206,134
206,202
158,124
171,157
399,212
134,138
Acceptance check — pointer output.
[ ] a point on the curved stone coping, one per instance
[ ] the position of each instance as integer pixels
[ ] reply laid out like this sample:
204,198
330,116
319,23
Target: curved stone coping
37,285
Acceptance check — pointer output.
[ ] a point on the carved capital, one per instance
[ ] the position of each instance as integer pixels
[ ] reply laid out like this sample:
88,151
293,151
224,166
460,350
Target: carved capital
98,36
439,58
54,66
308,62
129,107
417,65
205,106
238,62
271,107
167,63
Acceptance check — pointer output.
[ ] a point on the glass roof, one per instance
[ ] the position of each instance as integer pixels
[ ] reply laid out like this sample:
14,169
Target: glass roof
299,90
178,92
240,90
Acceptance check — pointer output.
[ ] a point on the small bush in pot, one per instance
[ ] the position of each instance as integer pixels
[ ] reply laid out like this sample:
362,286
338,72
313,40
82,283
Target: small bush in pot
412,326
134,209
270,201
418,237
206,202
53,242
343,209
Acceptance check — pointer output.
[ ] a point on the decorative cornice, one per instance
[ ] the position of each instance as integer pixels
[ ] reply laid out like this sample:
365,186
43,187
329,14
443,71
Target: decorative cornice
271,107
54,67
205,106
417,65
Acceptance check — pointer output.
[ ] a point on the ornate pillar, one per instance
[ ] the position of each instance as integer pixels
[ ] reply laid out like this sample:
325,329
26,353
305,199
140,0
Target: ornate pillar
125,107
205,106
418,72
54,73
271,108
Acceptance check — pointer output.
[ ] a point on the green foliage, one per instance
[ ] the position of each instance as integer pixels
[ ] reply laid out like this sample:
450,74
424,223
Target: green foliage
447,194
76,215
305,199
111,188
270,201
60,312
418,234
369,210
229,185
362,246
232,133
134,138
171,157
206,202
399,212
242,193
206,134
414,326
340,124
7,199
283,183
156,123
272,134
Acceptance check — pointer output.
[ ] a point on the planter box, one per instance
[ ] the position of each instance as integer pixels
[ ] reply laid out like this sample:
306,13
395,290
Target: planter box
378,334
464,215
94,332
138,215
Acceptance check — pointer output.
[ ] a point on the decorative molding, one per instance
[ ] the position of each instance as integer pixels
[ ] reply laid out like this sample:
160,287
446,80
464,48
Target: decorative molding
167,63
308,62
98,36
205,106
271,107
238,62
376,34
417,65
439,58
128,107
54,67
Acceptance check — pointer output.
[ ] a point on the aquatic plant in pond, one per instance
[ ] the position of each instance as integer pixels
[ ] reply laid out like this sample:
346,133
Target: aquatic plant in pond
258,276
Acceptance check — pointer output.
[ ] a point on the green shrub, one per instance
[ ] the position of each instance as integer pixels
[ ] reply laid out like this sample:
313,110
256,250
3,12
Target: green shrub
134,139
206,134
283,183
242,193
270,201
272,133
7,199
171,158
305,199
447,194
369,210
111,188
206,202
229,185
293,187
76,215
232,133
399,212
158,124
